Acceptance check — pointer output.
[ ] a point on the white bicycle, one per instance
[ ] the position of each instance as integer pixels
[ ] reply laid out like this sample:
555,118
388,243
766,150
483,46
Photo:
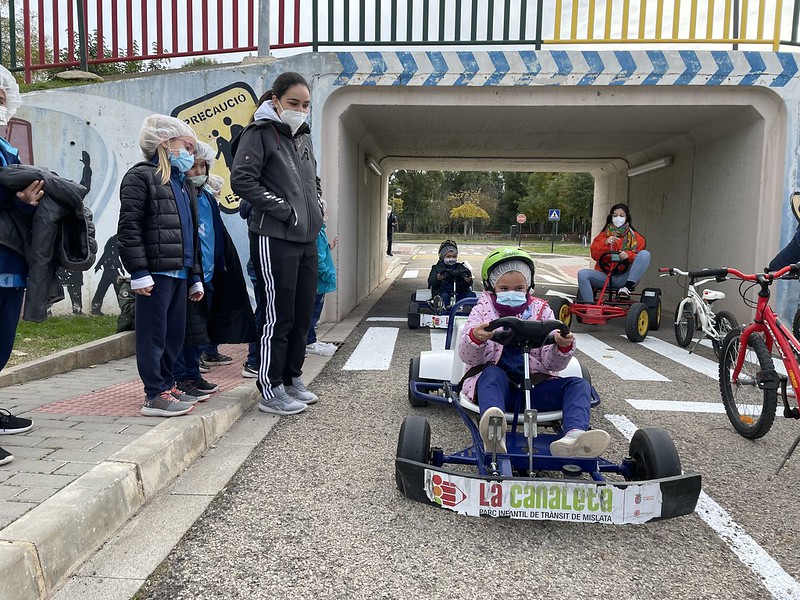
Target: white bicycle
695,313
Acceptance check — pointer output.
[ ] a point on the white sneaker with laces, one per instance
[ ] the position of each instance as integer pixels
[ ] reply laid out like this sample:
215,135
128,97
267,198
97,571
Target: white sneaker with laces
300,392
321,349
581,444
483,426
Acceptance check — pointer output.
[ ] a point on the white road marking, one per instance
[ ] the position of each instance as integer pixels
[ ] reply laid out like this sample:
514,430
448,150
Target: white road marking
677,406
775,360
622,366
438,339
374,351
697,363
548,278
388,319
411,274
559,294
778,582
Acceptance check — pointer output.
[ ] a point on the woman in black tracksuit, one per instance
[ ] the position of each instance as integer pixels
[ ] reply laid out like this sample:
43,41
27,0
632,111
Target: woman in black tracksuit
274,169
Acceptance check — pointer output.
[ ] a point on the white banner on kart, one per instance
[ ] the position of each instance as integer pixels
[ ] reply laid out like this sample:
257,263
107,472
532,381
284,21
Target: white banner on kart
546,499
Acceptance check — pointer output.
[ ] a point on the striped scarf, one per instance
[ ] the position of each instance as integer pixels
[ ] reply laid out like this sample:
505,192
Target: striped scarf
626,234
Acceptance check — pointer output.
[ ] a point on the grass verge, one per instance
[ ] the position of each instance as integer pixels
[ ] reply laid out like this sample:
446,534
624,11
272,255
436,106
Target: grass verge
35,340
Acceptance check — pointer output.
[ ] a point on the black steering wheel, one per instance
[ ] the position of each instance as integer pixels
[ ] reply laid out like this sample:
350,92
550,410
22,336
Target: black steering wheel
519,332
612,263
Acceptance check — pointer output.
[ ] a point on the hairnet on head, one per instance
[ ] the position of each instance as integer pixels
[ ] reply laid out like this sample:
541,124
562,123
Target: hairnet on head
11,88
206,152
507,266
445,249
215,184
157,129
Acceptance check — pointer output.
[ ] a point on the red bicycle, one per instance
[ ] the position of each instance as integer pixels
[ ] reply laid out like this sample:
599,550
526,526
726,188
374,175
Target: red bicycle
748,381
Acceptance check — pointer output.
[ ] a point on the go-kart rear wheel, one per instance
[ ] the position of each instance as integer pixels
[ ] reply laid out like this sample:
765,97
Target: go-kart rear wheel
638,322
413,315
413,376
414,443
655,315
684,325
725,322
654,453
560,308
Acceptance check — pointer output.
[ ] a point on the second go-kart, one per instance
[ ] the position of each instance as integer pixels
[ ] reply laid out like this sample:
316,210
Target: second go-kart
642,312
426,310
527,481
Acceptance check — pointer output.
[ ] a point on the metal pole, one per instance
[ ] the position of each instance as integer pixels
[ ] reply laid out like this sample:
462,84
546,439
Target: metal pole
82,50
553,237
263,28
736,22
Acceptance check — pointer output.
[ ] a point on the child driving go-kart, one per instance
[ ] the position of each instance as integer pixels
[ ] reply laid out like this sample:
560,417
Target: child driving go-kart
449,280
494,379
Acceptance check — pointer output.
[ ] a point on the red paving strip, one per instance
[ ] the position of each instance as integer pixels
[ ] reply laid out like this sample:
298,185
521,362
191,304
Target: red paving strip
125,399
571,271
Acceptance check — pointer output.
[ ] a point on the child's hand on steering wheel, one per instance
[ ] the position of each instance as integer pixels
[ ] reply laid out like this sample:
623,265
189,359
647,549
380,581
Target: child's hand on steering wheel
563,341
480,333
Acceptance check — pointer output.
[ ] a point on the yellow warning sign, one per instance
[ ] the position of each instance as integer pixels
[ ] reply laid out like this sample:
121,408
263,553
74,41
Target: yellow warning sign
217,118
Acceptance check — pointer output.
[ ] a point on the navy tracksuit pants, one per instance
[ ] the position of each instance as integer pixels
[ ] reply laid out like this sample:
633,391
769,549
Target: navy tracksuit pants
10,307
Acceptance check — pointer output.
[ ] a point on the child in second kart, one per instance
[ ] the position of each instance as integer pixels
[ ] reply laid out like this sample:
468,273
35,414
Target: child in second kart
496,384
449,275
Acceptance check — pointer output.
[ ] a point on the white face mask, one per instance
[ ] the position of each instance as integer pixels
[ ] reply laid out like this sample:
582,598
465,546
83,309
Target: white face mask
3,115
618,221
293,118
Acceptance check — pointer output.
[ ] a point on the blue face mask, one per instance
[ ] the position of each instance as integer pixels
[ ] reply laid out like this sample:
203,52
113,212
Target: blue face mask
511,298
183,162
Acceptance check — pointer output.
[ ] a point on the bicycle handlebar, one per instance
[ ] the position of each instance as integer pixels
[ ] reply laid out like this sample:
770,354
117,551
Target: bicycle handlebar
718,274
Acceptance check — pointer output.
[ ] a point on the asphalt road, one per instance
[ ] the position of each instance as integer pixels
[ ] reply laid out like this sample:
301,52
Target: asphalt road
314,512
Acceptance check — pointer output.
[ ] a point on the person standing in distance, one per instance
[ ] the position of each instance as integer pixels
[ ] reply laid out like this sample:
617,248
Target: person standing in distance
391,225
275,171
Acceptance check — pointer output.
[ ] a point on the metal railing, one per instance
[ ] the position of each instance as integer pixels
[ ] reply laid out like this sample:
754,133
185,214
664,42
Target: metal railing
58,34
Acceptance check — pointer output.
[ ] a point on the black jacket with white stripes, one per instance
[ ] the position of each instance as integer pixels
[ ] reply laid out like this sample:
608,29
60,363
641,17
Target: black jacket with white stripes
277,173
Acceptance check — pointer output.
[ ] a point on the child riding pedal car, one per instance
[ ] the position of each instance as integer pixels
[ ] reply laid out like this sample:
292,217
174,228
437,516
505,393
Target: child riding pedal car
448,276
495,376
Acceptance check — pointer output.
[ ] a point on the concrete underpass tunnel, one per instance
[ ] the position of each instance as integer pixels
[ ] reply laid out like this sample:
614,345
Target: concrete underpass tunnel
718,204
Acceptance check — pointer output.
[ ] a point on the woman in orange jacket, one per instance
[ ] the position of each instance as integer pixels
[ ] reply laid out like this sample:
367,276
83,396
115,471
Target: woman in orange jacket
617,236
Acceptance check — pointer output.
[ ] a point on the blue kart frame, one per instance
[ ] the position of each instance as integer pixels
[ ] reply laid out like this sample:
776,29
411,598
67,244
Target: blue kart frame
654,486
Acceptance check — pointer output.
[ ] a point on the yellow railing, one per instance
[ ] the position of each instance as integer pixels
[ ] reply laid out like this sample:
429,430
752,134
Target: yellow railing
662,22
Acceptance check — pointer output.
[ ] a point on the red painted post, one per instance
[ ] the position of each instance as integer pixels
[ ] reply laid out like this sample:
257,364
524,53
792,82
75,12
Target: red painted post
145,47
70,36
56,32
160,27
252,22
26,16
296,21
235,14
281,22
101,51
220,26
204,24
114,29
190,21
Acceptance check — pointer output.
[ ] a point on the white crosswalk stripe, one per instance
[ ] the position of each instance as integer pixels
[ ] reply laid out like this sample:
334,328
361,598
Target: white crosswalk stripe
411,274
548,278
695,362
374,351
618,363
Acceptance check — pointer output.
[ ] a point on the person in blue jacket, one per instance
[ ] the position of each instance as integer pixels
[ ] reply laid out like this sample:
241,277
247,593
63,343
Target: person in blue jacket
326,282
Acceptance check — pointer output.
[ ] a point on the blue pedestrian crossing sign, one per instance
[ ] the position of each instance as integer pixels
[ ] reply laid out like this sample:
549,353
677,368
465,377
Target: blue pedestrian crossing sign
554,214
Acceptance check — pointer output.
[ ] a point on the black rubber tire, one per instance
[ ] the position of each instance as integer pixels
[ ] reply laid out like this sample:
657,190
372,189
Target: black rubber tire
413,443
560,307
655,315
745,423
684,325
725,322
638,322
413,316
413,376
654,453
796,324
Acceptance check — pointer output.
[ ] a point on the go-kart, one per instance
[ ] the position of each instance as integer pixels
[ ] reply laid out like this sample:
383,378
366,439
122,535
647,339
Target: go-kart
426,310
642,312
527,482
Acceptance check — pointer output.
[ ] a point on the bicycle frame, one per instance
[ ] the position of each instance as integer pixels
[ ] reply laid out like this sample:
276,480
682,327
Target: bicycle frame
702,309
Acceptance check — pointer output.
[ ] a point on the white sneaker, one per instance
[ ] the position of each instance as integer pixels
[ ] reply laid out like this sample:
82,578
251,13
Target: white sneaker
483,426
281,403
581,444
321,348
300,392
623,293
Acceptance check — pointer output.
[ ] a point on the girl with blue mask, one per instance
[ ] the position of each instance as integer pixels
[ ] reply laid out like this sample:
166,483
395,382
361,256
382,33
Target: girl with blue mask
496,382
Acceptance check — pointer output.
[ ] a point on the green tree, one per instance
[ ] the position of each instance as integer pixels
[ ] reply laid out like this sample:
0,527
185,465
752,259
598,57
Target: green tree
468,212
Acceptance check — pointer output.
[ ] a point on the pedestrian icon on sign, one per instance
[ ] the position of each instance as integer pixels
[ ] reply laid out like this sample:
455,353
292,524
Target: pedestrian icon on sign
554,214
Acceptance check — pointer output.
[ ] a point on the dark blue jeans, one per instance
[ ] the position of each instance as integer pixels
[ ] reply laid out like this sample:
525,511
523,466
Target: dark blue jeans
572,395
10,306
312,331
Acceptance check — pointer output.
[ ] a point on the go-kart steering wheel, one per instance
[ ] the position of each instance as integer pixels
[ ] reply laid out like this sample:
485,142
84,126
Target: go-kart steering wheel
534,334
611,262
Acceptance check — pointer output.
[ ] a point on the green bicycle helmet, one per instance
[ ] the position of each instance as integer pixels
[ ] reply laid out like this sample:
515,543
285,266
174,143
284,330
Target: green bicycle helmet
502,255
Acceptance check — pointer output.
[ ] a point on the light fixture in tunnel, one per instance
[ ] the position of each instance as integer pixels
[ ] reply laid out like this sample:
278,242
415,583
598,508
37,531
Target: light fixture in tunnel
658,163
373,166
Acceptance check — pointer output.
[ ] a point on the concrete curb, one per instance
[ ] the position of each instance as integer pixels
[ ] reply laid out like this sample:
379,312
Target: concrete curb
113,347
43,548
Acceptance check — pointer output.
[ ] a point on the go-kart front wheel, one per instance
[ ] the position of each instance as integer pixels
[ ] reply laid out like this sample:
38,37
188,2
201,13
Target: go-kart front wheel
560,308
654,453
414,443
413,377
638,322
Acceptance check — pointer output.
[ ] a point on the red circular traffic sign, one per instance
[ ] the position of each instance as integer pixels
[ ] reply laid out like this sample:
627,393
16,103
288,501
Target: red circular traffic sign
521,218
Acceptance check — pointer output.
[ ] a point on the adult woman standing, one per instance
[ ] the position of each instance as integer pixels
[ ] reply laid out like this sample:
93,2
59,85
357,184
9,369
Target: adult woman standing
617,236
157,241
275,171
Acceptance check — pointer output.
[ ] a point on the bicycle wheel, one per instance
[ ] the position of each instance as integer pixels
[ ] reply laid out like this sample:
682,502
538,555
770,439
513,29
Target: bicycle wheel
725,322
796,324
750,402
684,325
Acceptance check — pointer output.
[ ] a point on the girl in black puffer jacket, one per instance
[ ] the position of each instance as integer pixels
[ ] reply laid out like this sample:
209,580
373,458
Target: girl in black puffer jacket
157,241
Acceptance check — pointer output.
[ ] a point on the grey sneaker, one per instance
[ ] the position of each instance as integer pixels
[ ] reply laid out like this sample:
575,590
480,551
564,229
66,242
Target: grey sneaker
165,405
181,396
300,392
281,403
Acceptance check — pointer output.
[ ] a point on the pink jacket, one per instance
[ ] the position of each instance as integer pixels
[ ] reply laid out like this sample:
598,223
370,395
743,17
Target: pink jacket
547,360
